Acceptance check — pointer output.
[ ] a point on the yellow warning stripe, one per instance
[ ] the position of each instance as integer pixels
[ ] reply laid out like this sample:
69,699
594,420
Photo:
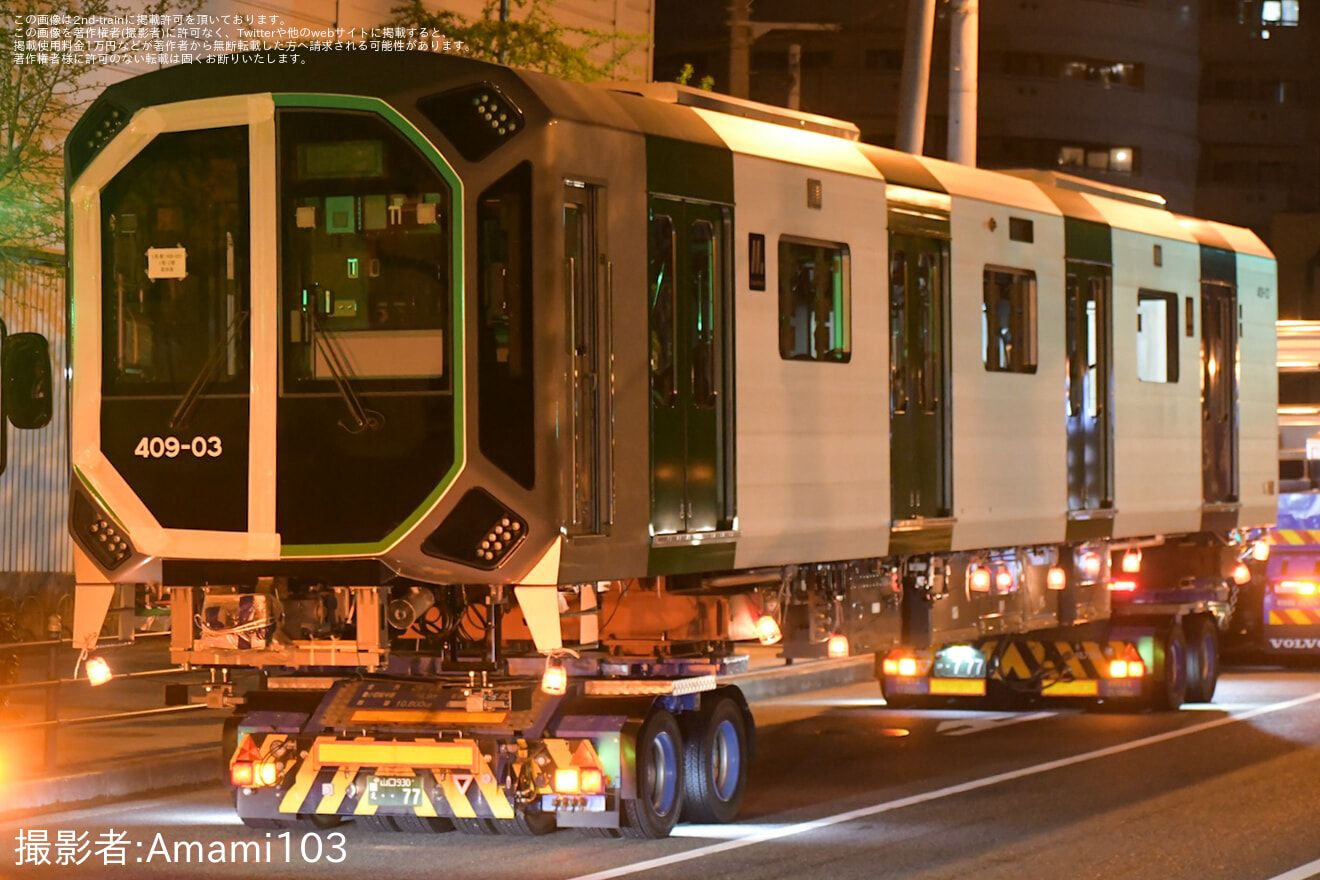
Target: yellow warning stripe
459,755
1295,536
302,783
495,799
1294,616
343,777
459,805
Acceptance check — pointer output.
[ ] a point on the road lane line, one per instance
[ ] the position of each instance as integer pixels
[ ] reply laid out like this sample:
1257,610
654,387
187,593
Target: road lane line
773,834
963,727
1305,872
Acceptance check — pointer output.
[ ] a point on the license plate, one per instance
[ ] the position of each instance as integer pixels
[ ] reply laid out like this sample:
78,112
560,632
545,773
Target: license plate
394,791
966,666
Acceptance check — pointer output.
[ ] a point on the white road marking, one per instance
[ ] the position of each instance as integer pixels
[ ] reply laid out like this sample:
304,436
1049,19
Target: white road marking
965,726
1311,869
782,832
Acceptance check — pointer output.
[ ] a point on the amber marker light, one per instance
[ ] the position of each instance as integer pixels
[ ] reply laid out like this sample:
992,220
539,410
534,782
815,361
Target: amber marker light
1057,579
1132,561
98,671
592,781
1241,574
978,580
767,630
568,780
555,680
837,647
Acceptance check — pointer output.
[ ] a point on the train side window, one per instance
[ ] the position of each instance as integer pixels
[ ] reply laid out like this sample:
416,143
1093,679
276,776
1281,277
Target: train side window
703,262
1157,336
898,381
664,374
815,301
1008,320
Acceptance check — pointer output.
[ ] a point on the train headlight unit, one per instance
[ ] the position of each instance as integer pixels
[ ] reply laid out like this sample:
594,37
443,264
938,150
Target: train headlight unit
480,532
98,535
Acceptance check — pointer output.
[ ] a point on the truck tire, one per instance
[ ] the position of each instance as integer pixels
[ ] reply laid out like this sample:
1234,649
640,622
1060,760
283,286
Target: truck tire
1202,659
654,812
475,826
715,762
375,823
421,824
1169,686
527,824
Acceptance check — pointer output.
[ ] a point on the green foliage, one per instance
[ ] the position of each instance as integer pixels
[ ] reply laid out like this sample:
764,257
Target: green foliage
706,84
38,104
531,38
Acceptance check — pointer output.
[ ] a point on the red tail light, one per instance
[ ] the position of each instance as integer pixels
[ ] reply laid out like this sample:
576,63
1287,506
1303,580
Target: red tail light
1122,586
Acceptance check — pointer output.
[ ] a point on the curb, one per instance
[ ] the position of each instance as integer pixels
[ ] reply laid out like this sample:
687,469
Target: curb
173,769
200,765
816,675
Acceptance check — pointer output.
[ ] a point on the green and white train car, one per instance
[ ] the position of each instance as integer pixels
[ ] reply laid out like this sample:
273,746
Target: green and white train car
413,373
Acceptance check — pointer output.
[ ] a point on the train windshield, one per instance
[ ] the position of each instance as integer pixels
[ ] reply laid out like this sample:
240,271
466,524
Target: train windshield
365,256
174,252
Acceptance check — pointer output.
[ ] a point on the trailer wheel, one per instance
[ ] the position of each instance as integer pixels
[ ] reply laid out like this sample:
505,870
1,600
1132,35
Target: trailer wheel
527,824
475,826
1202,659
715,763
421,824
654,812
1170,684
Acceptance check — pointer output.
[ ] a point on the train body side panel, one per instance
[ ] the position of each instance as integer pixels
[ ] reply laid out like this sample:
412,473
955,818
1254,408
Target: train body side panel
812,444
1258,389
1009,441
1157,425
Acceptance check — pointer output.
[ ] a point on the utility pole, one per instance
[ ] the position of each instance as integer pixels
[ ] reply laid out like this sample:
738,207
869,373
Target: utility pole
964,27
916,76
743,32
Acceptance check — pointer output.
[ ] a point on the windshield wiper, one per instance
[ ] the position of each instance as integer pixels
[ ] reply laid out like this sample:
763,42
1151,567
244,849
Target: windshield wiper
361,418
183,412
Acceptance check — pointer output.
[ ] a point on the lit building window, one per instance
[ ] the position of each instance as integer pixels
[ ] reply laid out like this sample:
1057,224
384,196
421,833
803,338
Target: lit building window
1095,157
1279,13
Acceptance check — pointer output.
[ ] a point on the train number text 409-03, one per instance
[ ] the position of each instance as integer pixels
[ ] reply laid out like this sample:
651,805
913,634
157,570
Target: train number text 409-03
173,447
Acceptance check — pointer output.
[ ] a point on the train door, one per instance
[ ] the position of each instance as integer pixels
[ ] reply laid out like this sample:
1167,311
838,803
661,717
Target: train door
1090,383
687,293
1219,392
918,374
589,356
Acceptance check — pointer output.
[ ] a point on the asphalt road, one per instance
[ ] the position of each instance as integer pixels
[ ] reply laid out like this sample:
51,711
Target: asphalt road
846,789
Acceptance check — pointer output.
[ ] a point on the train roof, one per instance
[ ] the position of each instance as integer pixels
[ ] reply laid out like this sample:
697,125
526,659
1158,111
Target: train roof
666,110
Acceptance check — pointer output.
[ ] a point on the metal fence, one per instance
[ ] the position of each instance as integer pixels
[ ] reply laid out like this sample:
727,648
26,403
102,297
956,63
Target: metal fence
36,555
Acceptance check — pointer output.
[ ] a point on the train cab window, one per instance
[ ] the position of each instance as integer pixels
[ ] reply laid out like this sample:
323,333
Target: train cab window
815,301
365,245
174,268
1008,320
1157,336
